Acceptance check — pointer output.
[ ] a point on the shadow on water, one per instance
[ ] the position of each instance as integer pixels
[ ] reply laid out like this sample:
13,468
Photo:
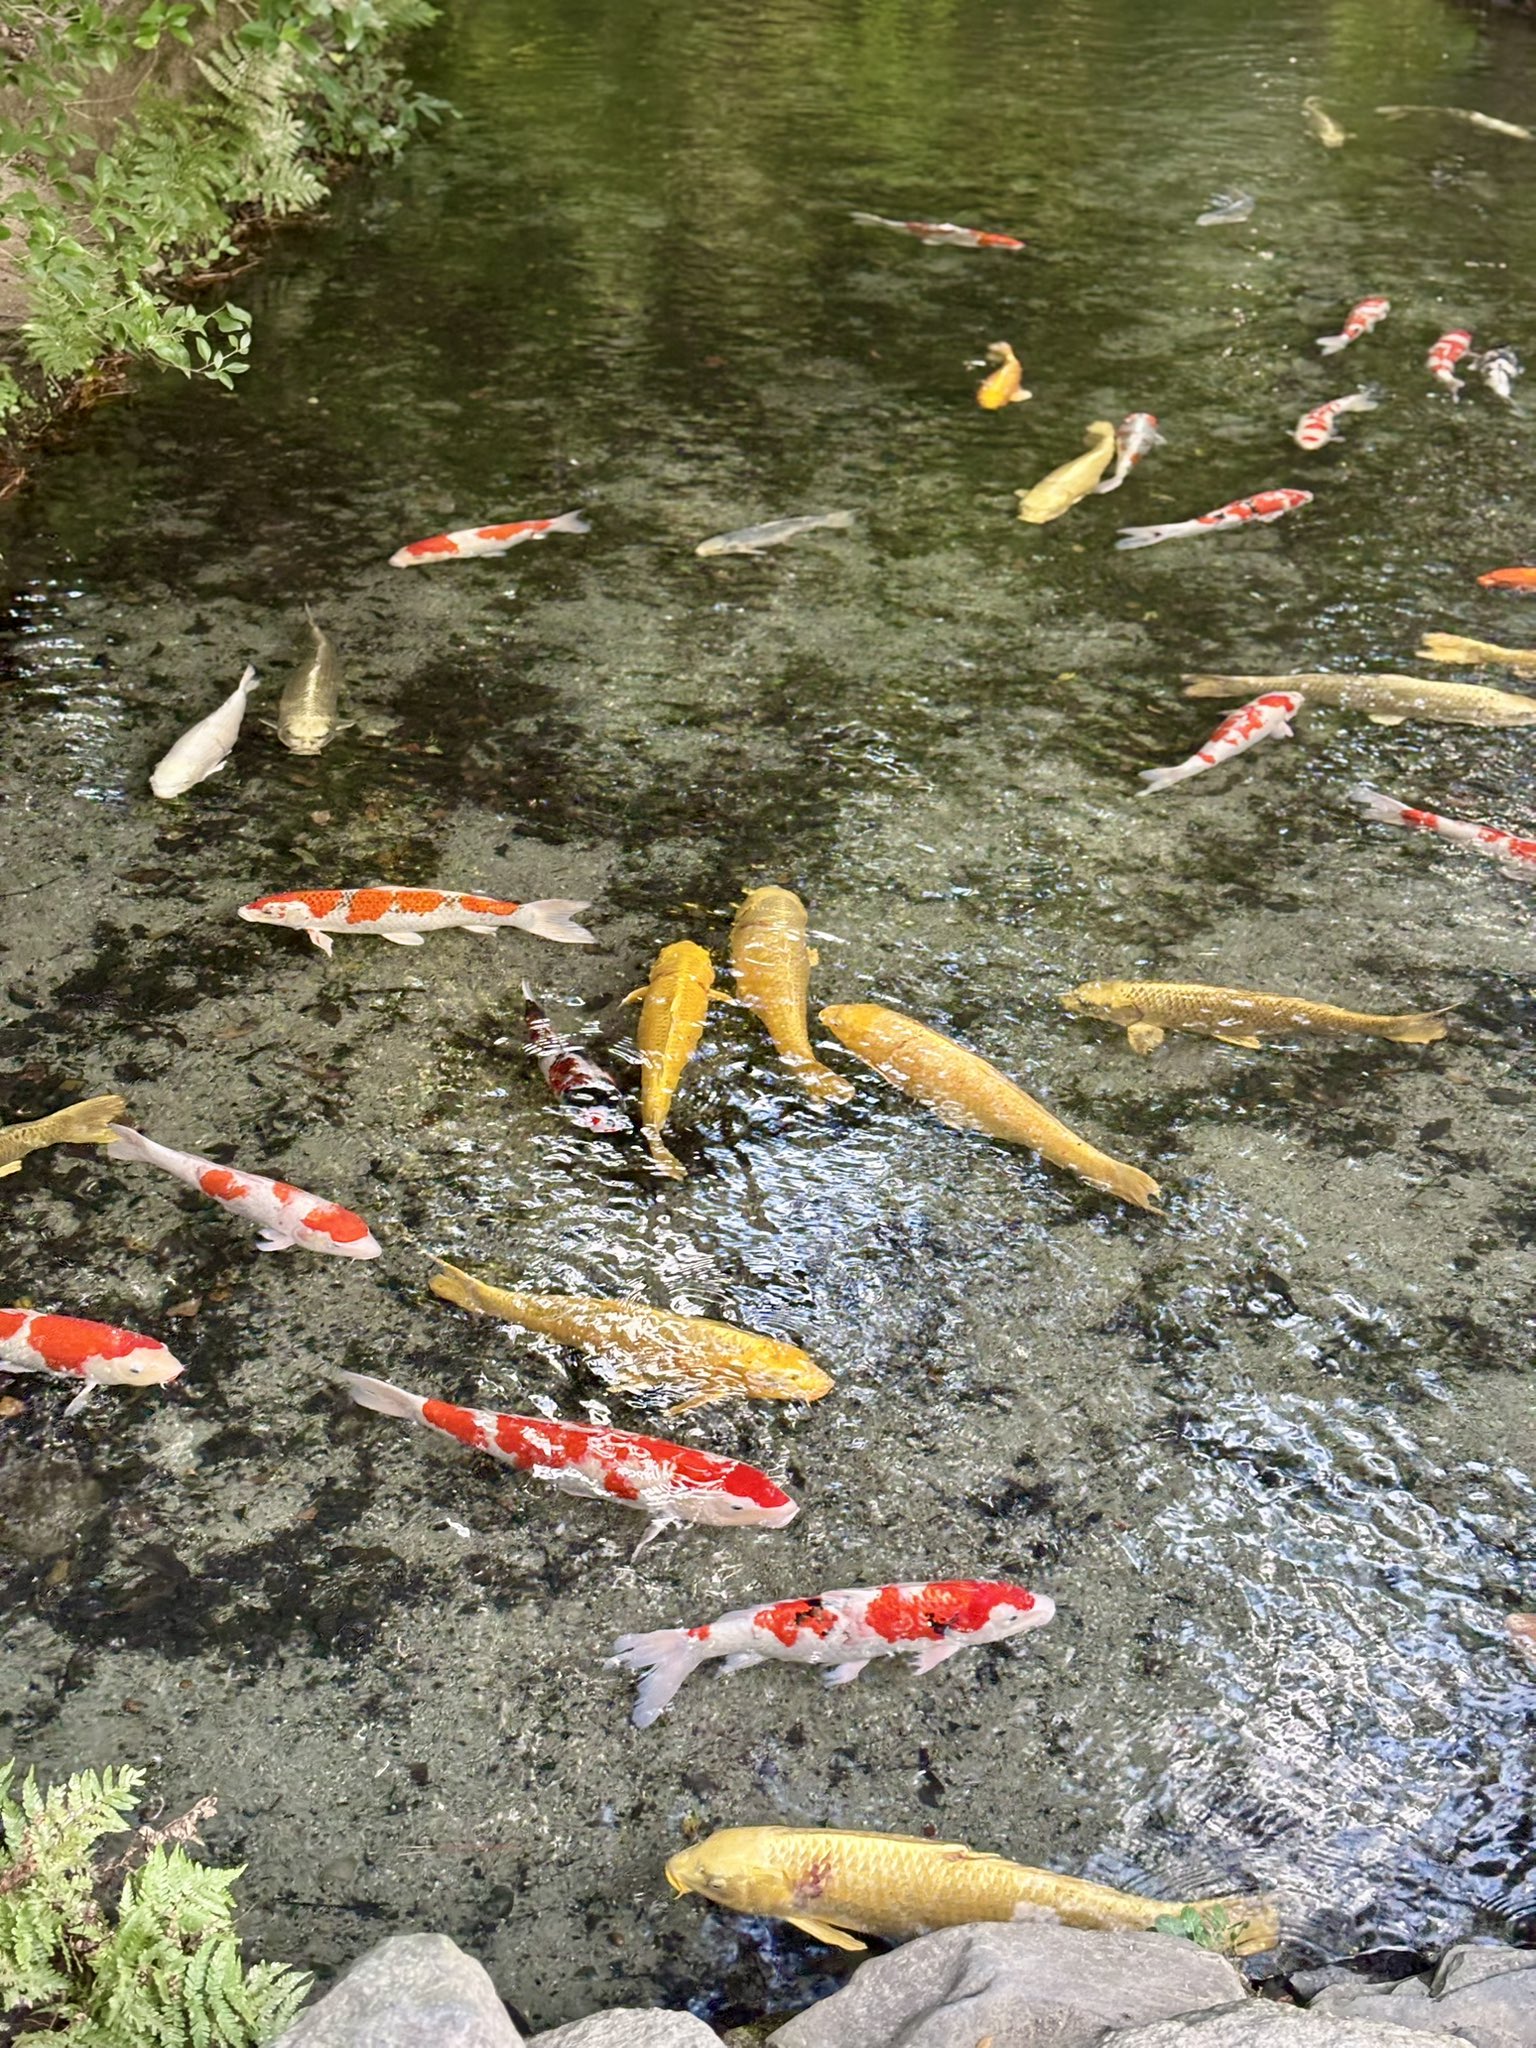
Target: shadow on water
1270,1455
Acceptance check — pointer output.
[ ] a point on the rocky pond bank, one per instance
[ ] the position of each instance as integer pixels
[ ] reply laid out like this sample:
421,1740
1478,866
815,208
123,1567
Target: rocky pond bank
1027,1984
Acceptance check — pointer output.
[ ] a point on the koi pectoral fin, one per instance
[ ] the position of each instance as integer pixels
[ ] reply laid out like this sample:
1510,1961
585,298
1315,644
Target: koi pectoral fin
845,1674
86,1394
742,1660
413,938
324,941
933,1654
1249,1044
823,1930
1144,1037
10,1166
1387,717
636,995
687,1407
653,1529
274,1241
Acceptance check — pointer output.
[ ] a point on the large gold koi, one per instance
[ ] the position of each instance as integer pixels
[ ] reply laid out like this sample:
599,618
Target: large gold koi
772,961
1061,490
674,1004
1236,1016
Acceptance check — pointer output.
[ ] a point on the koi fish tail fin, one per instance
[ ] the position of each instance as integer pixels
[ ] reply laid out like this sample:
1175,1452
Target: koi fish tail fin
1129,1184
91,1123
123,1142
569,522
822,1085
551,918
1216,686
664,1161
1386,810
1112,482
1368,398
383,1398
1149,536
1419,1027
248,683
1330,344
1154,779
1243,1924
867,220
449,1284
668,1657
841,520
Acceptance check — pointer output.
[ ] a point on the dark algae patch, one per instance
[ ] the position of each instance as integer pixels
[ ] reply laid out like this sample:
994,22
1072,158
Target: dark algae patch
1271,1454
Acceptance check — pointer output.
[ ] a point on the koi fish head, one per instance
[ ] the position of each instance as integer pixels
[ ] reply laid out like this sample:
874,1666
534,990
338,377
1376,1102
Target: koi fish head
1016,1609
288,910
733,1868
1108,999
795,1379
150,1365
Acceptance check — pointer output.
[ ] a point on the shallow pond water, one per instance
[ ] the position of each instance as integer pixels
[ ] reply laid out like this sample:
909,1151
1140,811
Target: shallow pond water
1272,1454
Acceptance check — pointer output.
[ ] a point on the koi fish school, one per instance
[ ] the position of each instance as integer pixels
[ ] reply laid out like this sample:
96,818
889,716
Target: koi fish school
403,915
847,1630
96,1354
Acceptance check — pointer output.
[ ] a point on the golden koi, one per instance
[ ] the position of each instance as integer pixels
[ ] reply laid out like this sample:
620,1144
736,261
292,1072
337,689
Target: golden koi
1005,386
674,1004
1385,700
1323,125
1452,647
83,1123
709,1361
969,1092
772,962
1235,1016
1061,490
828,1881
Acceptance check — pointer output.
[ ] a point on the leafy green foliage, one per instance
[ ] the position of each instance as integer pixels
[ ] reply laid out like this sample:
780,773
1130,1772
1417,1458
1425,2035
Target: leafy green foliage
109,229
161,1970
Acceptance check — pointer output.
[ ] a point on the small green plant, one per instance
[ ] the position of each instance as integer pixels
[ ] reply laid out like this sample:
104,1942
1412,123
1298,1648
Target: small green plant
159,1969
1210,1929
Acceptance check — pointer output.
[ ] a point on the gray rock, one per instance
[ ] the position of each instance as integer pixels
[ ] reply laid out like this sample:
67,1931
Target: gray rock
410,1991
1479,1993
631,2026
1259,2024
1027,1983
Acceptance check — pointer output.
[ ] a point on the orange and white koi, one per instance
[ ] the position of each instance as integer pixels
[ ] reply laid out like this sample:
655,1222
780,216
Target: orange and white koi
1256,511
1263,718
1445,354
671,1483
1509,579
1516,854
941,233
92,1354
402,915
1315,429
929,1621
483,540
287,1216
1363,316
1135,437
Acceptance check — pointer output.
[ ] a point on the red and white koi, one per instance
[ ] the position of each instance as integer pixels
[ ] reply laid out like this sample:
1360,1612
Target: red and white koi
1315,429
941,233
287,1217
483,540
1256,511
1135,437
1443,357
1263,718
402,915
930,1621
91,1354
671,1483
588,1094
1517,855
1363,316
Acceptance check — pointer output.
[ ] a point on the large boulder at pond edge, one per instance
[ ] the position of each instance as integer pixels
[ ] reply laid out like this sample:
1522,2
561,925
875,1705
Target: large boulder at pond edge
1481,1994
1027,1983
1257,2023
411,1991
631,2026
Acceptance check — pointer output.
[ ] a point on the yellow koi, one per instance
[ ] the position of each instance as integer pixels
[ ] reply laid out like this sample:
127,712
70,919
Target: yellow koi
1060,491
1005,386
1328,131
1452,647
828,1881
709,1361
82,1123
1235,1016
674,1004
772,962
1385,700
969,1092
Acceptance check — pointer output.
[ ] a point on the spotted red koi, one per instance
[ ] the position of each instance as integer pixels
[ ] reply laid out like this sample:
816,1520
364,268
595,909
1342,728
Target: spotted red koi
483,540
1516,854
1262,718
942,233
1315,429
1256,511
1363,316
91,1354
402,915
587,1093
288,1217
666,1481
931,1620
1443,357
